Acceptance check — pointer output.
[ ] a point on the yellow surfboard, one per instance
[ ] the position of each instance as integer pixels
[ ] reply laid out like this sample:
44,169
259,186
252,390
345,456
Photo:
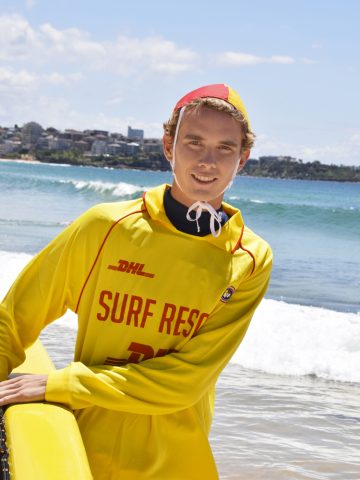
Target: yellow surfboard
43,441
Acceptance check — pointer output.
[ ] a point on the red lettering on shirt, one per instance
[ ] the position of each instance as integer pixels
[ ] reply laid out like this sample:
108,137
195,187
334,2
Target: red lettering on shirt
115,316
167,317
139,352
174,318
103,295
180,320
130,309
201,320
194,313
135,311
147,312
134,268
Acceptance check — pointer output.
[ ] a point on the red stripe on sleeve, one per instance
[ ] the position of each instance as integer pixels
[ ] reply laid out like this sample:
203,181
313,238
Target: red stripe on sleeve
239,245
99,252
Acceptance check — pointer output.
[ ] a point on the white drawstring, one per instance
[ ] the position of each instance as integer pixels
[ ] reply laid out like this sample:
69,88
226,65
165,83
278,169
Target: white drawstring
181,113
199,207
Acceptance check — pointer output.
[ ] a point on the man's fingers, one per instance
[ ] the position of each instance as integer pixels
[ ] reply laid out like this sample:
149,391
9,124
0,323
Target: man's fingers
22,389
12,382
15,398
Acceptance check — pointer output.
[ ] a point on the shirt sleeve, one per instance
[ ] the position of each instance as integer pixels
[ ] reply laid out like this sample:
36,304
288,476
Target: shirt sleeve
44,290
176,381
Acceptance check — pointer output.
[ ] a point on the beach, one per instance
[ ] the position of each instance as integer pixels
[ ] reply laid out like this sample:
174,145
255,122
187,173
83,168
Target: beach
287,405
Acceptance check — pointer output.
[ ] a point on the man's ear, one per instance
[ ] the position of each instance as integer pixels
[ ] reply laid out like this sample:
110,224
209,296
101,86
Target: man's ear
168,147
243,159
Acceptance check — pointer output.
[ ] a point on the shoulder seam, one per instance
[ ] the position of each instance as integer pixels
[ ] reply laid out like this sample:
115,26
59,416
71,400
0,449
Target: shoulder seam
100,250
239,245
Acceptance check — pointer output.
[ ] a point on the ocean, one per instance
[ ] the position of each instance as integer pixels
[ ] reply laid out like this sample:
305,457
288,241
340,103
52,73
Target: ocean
288,403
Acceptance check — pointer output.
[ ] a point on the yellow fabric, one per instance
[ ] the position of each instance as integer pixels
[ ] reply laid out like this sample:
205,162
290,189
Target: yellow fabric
234,99
154,331
37,360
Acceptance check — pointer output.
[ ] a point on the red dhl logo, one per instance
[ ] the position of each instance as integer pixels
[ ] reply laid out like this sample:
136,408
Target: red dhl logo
131,267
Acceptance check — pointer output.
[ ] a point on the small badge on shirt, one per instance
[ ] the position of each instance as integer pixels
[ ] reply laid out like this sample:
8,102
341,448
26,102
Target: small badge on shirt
225,297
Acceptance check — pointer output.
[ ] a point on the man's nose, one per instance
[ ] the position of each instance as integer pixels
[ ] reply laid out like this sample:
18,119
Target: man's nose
208,159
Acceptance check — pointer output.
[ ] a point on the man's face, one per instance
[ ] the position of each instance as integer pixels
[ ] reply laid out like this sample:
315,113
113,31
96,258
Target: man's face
208,150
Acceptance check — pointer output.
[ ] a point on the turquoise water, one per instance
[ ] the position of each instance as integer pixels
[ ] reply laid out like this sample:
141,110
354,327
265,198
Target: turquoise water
313,227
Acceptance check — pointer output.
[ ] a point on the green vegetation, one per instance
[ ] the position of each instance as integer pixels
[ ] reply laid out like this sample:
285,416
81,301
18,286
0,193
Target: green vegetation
151,161
269,166
280,167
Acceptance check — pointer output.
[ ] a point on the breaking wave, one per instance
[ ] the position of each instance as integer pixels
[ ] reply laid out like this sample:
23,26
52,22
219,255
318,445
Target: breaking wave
283,338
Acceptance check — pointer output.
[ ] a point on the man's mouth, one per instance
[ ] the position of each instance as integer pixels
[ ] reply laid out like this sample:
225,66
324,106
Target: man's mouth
202,178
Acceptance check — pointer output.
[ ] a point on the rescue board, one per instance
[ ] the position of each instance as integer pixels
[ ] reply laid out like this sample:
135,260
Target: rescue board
41,440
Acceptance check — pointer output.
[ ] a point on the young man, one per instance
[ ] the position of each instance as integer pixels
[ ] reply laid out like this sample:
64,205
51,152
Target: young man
164,288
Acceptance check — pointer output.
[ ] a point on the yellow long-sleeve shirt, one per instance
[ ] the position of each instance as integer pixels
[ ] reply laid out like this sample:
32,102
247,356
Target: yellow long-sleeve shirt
160,313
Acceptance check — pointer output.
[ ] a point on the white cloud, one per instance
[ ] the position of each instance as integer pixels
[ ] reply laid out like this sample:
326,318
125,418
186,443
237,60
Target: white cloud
58,112
308,61
346,152
124,56
44,109
247,59
47,45
11,79
70,44
282,59
267,145
60,79
238,59
17,38
39,62
152,53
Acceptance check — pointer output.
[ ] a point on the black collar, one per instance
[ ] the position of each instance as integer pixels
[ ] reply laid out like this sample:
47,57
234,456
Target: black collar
176,213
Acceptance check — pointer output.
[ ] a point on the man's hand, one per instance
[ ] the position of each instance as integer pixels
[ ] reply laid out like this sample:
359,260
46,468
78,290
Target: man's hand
23,389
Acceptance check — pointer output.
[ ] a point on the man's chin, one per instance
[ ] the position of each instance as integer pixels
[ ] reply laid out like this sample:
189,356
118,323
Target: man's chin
206,196
197,194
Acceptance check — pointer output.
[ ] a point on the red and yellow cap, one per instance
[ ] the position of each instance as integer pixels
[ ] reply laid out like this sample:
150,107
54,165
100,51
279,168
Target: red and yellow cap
217,90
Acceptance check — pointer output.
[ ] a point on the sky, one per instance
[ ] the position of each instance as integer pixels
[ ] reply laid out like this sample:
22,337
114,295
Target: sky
110,64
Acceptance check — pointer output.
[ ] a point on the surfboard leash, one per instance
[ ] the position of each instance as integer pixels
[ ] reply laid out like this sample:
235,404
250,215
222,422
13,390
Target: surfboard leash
4,452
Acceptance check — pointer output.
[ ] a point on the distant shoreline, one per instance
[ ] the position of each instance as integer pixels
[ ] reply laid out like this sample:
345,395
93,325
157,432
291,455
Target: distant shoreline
264,167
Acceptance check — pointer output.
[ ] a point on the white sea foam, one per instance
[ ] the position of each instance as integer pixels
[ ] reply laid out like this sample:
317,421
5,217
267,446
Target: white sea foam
282,339
300,340
251,200
116,189
11,265
56,164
